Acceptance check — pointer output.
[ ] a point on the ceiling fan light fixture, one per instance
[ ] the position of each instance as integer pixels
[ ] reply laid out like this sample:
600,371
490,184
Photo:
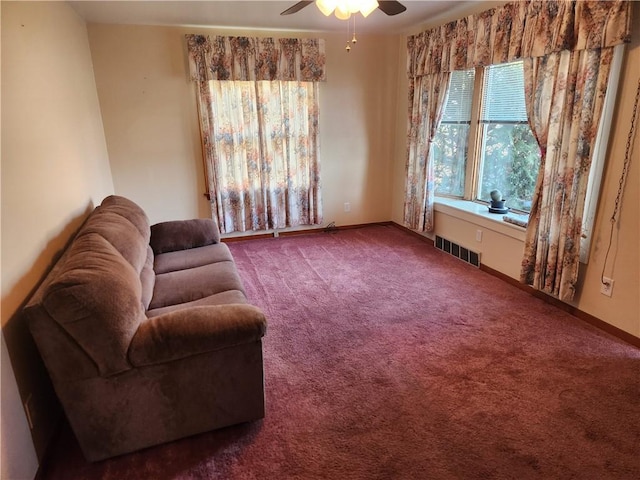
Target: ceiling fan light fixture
344,8
327,6
347,7
352,5
342,12
368,6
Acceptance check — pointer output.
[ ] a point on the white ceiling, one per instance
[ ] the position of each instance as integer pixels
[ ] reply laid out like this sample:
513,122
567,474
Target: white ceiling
257,14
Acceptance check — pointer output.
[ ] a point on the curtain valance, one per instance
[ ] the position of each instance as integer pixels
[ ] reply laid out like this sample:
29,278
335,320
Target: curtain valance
247,58
518,30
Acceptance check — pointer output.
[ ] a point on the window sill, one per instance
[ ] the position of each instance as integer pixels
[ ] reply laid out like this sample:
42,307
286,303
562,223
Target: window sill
478,214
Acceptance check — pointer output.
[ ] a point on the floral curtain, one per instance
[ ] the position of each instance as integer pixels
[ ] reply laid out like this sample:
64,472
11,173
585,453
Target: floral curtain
251,59
427,97
565,94
258,111
519,30
542,32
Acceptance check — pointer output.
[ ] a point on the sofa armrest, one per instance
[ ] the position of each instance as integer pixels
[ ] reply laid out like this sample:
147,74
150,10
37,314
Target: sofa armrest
183,234
195,330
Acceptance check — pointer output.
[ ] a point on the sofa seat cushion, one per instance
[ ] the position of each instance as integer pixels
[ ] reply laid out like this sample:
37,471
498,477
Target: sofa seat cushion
193,331
223,298
184,286
191,258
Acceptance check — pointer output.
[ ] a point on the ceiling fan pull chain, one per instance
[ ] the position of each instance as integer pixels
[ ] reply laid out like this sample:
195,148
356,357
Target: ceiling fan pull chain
354,40
348,47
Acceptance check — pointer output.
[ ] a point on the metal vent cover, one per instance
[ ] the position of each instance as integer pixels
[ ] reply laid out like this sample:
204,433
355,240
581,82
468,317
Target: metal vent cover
464,254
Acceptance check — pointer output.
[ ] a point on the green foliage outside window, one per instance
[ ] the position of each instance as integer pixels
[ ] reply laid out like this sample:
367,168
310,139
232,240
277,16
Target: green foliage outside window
511,164
509,157
449,151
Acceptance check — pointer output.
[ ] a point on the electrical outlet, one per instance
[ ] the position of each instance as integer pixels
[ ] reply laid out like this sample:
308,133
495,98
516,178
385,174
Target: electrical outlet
478,235
606,287
347,207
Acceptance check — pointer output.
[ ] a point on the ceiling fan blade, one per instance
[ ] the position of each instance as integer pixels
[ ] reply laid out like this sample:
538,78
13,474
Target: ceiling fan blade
390,8
297,7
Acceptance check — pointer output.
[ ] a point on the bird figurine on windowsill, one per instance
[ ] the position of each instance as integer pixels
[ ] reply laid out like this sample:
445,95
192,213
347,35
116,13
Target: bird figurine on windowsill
497,202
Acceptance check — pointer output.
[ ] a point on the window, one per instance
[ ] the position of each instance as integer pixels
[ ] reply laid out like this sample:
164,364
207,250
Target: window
500,152
509,153
449,149
257,101
265,167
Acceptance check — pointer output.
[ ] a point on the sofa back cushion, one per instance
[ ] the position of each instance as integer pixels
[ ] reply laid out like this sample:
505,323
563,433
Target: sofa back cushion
129,210
119,232
126,226
184,234
96,298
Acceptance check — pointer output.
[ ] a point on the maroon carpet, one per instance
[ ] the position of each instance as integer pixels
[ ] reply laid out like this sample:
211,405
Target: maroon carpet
387,359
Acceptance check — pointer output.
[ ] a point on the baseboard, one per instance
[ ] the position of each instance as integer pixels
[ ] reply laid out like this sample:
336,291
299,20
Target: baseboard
576,312
414,233
257,236
305,231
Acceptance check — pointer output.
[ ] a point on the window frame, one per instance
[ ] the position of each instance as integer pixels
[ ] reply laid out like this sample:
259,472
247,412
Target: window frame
473,171
474,146
477,154
475,140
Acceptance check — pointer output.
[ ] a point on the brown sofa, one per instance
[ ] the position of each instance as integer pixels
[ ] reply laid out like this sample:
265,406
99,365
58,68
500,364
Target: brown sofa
146,332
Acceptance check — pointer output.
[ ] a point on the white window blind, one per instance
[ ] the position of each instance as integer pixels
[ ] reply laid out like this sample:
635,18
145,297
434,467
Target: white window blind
503,94
458,108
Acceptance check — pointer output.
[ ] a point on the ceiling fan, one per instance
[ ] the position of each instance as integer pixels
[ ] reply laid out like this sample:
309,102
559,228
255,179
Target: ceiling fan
388,7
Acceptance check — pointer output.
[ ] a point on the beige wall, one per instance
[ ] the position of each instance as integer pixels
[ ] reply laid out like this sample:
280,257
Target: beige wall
150,120
503,253
54,170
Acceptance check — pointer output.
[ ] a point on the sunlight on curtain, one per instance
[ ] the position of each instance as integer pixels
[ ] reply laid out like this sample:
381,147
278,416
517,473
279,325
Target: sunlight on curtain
264,161
257,104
